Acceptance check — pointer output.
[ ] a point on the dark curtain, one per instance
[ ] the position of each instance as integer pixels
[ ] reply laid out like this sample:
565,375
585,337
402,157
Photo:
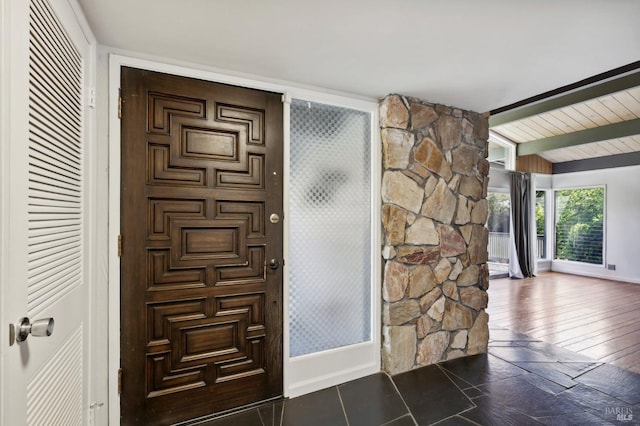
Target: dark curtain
521,211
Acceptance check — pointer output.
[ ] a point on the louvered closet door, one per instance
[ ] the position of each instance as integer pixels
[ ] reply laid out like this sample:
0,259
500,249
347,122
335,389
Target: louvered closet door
44,380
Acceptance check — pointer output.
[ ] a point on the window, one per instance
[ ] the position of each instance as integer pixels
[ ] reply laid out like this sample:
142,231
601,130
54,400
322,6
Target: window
541,241
330,227
498,225
579,225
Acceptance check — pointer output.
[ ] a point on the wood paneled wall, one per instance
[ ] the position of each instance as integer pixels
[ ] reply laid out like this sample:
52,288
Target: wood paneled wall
533,164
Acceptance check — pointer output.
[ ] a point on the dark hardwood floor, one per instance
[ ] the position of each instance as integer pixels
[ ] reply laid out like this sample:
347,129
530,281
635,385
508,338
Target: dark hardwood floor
594,317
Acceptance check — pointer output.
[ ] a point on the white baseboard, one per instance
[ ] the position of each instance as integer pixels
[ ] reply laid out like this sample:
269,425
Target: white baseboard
591,271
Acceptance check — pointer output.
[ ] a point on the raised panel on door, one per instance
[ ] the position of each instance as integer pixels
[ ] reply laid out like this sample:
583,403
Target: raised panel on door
201,312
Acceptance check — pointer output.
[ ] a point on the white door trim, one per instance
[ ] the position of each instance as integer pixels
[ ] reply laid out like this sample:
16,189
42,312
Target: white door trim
292,386
13,126
315,371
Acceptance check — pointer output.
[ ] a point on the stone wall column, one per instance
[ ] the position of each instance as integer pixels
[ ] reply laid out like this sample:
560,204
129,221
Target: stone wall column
434,189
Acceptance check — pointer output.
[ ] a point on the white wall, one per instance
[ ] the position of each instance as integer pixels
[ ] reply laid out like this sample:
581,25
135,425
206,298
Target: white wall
499,179
543,181
622,221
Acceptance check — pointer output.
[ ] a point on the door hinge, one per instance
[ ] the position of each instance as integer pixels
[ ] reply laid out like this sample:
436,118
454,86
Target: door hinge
92,97
119,381
119,103
119,245
286,98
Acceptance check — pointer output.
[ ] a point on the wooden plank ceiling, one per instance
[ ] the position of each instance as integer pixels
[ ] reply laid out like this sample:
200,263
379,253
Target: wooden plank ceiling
560,130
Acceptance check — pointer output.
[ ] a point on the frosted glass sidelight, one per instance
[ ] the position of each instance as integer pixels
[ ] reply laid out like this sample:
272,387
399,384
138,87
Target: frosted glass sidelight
330,227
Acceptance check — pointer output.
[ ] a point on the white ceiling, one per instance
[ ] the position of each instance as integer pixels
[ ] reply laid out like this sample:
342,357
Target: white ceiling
477,55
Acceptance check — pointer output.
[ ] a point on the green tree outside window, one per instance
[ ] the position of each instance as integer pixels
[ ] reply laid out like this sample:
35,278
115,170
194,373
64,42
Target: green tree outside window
579,224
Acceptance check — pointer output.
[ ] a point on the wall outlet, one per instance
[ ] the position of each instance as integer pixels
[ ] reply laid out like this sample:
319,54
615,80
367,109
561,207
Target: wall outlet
611,267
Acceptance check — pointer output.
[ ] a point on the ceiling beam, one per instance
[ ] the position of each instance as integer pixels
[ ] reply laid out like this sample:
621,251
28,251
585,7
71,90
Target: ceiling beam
598,163
622,83
597,134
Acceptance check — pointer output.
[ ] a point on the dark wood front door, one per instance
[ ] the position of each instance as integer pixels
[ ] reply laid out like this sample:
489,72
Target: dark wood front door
201,305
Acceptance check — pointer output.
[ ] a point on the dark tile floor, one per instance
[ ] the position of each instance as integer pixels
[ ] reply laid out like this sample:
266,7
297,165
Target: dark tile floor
521,381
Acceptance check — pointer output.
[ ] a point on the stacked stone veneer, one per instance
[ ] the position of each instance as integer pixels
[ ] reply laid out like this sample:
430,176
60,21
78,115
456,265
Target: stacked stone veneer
434,189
